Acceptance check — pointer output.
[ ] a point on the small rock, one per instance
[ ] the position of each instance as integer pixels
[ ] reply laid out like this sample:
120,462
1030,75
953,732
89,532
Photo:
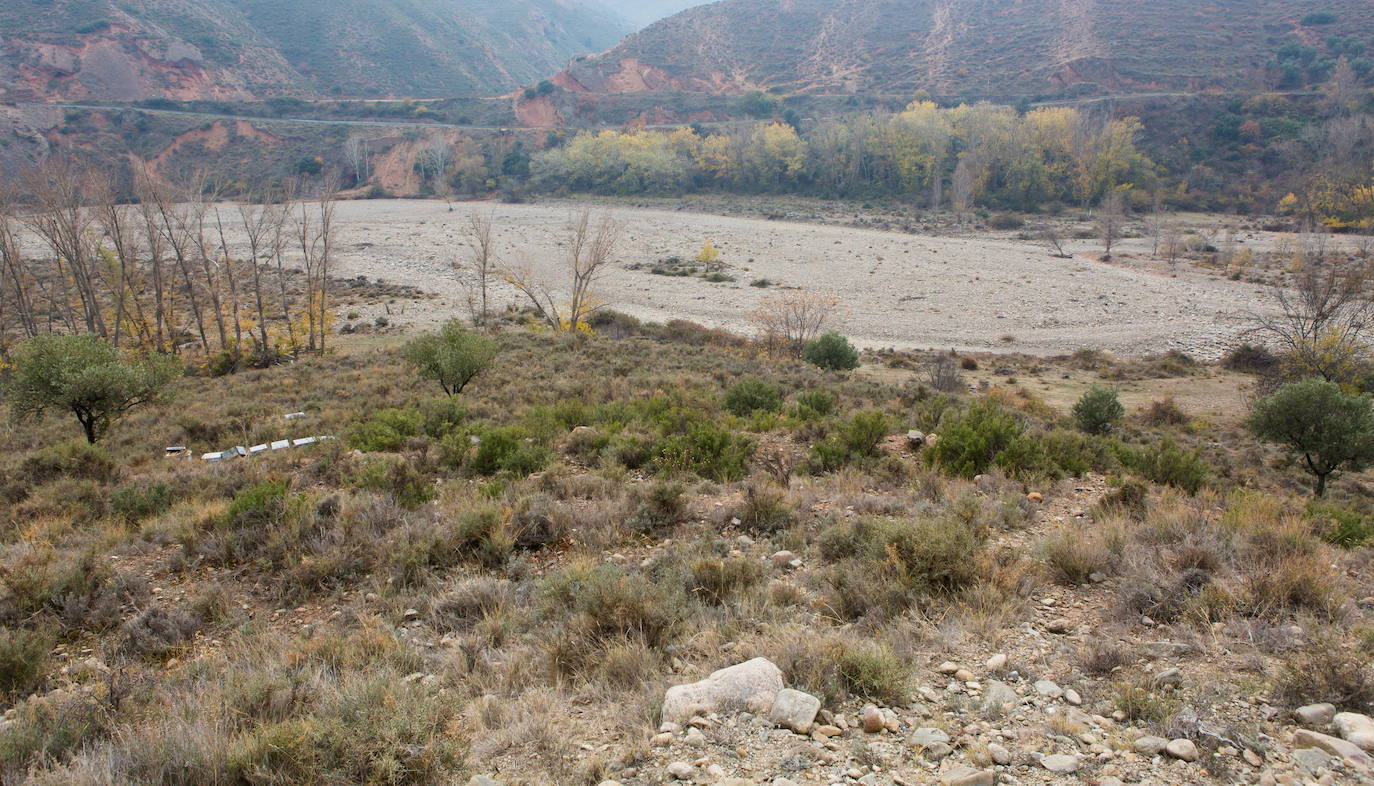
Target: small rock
999,754
747,687
782,559
964,675
680,770
1048,689
967,776
1355,728
1305,738
1251,758
1315,715
1061,763
609,783
1059,626
1182,749
872,720
695,738
1072,697
947,668
483,780
795,710
997,662
828,731
1035,496
915,439
1313,759
780,781
924,738
1150,746
1169,678
999,698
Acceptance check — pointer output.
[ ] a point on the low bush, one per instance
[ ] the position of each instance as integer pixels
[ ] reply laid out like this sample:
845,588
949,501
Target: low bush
851,442
75,459
1250,359
1162,413
815,404
1326,671
138,501
1168,465
1098,411
23,659
386,431
832,352
707,450
764,510
924,554
1341,526
871,671
49,727
507,450
717,581
1075,555
750,396
970,444
657,507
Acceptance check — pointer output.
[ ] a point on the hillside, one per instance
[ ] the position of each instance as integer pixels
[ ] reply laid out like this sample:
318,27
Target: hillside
969,48
242,49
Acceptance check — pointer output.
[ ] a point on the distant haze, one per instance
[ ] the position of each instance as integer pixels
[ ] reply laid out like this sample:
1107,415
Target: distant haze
642,13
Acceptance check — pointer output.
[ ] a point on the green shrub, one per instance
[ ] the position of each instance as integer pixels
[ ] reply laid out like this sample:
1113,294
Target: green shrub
750,396
386,431
75,459
874,673
1098,411
969,445
398,477
1327,430
485,536
1169,465
764,510
924,554
1340,526
23,658
706,450
815,404
716,581
453,357
612,604
853,441
657,507
140,501
1317,18
508,450
832,352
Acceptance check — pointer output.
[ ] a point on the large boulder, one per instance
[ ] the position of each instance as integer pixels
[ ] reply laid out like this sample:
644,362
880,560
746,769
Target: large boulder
747,687
1356,728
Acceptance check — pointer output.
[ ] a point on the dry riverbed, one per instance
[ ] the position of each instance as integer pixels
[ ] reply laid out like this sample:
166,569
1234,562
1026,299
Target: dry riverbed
899,290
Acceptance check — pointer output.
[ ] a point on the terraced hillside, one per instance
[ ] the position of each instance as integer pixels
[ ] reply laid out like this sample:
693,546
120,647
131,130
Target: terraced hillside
976,48
243,49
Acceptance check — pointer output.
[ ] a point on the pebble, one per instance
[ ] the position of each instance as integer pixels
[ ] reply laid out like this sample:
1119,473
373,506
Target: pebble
1062,763
1059,626
1048,689
1072,697
1315,714
967,776
873,722
1169,678
999,754
1355,728
680,770
1150,745
997,662
1183,749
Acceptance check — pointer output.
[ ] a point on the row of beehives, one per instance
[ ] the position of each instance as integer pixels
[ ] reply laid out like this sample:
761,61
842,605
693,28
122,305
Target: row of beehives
242,452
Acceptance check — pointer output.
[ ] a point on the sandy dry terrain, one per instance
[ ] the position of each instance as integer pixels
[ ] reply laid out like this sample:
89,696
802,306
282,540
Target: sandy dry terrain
900,290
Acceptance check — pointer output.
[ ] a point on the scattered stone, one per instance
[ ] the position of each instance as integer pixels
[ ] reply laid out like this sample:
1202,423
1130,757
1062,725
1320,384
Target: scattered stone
1313,759
829,731
999,754
1169,678
1165,649
1150,746
747,687
783,559
695,738
1061,763
1059,626
947,668
1355,728
795,710
915,439
1182,749
1305,738
483,780
1072,697
1252,758
924,738
680,770
964,675
780,781
967,776
999,698
1035,496
997,662
1315,715
873,722
1048,689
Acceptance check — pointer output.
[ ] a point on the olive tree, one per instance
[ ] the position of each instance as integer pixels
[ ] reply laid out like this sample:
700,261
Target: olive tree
453,357
87,376
1325,428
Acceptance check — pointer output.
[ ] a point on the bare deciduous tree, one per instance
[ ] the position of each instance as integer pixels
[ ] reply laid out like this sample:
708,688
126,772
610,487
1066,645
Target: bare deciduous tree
482,267
591,242
1323,316
1050,236
788,321
1111,217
